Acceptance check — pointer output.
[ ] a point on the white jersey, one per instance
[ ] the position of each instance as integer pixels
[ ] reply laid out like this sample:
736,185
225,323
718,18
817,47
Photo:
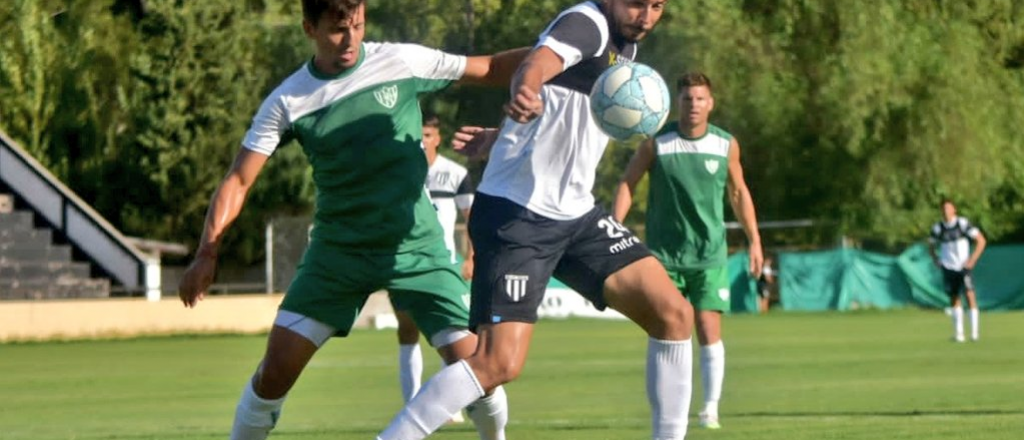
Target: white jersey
548,165
954,242
451,190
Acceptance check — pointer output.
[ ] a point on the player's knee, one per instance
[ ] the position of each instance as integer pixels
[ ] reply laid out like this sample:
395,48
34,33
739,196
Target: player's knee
676,320
496,370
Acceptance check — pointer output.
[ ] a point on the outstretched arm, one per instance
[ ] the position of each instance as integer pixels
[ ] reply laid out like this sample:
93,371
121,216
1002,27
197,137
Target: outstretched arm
494,70
743,206
638,166
225,207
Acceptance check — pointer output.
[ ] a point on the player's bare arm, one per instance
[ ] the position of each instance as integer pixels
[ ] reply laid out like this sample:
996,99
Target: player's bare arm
494,70
979,247
474,142
638,166
539,67
224,209
743,206
467,264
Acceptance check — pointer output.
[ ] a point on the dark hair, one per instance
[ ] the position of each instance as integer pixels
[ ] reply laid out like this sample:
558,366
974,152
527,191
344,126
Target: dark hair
431,120
946,200
692,79
312,10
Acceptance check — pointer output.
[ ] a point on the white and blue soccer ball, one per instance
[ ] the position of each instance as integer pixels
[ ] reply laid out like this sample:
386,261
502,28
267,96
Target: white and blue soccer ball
630,99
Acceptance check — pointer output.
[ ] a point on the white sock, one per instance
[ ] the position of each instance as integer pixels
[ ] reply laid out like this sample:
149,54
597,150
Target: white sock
450,390
410,368
975,323
712,367
958,322
255,416
490,415
669,379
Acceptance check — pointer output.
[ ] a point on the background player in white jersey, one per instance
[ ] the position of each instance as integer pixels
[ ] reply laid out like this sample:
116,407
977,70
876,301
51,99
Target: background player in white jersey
451,191
354,109
534,217
693,165
952,236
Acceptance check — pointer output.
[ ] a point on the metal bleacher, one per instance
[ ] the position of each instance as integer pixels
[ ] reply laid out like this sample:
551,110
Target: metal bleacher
33,267
54,245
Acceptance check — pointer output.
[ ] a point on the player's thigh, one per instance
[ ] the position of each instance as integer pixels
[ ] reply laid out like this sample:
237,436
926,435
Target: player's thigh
967,275
331,286
427,285
643,292
515,252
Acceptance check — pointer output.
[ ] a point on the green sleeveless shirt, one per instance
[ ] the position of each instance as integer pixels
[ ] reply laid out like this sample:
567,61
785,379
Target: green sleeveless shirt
685,219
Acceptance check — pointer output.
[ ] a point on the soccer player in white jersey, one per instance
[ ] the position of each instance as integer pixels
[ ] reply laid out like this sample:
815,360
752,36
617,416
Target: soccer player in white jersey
354,109
451,191
953,236
693,165
534,217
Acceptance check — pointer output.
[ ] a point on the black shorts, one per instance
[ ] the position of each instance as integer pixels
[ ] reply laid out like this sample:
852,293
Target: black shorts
957,281
763,290
516,251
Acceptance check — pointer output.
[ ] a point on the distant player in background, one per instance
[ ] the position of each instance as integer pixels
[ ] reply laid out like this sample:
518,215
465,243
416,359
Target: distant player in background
451,191
952,236
354,109
534,217
764,285
692,164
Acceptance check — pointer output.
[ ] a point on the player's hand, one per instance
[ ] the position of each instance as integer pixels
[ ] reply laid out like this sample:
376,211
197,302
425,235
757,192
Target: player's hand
969,265
197,279
525,105
467,269
756,259
474,142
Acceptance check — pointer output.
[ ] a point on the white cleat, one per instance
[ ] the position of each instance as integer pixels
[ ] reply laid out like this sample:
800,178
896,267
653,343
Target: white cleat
708,421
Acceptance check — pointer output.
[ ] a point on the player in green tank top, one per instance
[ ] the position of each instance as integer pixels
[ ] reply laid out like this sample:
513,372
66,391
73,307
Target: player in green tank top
354,110
693,166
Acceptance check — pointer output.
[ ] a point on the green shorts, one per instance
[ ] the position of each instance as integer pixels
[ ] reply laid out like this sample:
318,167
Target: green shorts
332,284
707,289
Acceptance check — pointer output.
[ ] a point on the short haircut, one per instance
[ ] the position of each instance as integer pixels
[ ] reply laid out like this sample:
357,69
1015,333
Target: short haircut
946,200
693,79
431,120
312,10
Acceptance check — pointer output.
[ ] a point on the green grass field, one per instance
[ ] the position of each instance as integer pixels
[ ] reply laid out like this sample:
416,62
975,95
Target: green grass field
868,375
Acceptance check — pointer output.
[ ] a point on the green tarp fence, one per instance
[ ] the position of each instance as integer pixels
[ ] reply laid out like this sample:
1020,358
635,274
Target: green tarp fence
848,279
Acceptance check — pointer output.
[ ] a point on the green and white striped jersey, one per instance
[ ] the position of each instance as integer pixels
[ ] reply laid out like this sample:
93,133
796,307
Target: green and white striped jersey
361,131
685,217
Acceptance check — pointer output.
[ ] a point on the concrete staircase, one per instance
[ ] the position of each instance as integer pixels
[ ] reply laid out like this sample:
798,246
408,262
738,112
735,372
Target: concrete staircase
33,267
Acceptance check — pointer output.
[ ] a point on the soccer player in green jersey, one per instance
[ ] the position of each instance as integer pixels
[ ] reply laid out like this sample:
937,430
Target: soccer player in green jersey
354,109
692,164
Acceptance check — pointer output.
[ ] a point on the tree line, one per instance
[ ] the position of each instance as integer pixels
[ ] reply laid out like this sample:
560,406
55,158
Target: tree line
860,115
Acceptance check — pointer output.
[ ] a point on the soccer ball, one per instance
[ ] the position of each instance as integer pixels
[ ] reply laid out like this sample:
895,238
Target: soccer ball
630,99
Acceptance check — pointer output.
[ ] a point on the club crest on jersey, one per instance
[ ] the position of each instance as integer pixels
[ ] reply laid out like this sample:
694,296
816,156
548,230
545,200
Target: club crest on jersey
515,286
711,165
724,294
387,95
